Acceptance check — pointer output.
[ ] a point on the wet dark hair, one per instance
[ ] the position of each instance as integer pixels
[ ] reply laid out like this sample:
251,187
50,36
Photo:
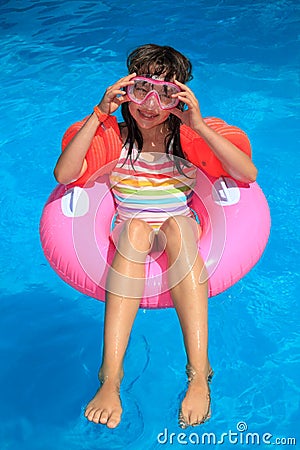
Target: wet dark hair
156,60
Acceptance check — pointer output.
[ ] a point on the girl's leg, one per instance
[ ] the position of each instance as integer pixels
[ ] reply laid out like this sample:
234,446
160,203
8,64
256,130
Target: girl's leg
188,284
125,287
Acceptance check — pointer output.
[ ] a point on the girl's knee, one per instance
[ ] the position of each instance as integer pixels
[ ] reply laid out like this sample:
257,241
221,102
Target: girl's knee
180,227
138,234
180,235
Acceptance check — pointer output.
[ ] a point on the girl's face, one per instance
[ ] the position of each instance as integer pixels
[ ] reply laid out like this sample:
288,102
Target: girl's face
149,114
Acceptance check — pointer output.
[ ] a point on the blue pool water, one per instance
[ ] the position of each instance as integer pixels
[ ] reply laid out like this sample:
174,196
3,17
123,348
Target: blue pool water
56,60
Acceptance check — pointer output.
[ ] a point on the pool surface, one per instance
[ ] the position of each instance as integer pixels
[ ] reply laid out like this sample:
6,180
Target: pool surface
57,58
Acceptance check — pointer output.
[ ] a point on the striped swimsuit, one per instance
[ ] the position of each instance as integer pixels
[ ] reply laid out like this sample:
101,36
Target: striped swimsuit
151,189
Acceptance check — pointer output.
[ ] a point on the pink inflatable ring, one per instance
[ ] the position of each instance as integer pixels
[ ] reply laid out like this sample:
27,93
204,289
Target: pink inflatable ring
76,224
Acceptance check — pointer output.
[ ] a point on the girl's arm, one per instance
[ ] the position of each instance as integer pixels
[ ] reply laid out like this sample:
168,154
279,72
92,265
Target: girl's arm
234,161
72,163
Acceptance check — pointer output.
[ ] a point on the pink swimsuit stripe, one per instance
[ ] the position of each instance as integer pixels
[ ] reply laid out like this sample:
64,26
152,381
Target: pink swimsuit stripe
152,189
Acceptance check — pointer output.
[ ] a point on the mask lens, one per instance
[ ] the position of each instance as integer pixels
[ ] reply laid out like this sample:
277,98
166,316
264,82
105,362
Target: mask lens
165,92
140,89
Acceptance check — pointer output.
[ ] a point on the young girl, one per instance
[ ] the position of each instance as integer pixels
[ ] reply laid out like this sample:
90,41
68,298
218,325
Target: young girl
152,98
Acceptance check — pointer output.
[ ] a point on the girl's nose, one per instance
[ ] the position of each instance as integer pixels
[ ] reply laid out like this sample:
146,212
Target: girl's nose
152,101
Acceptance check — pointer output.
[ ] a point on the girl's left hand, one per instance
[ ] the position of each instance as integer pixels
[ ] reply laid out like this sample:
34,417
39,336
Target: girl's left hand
192,116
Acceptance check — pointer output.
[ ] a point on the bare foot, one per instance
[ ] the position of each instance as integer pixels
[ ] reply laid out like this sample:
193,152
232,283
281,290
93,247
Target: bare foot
105,407
195,407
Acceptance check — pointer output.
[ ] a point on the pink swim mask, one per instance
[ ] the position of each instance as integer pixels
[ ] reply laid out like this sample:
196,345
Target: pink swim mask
144,87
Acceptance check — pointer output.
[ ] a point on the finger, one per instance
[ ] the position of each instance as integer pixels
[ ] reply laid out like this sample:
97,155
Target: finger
114,88
188,95
185,96
119,100
114,93
125,81
190,101
130,76
186,92
125,98
182,86
185,88
127,77
118,89
122,82
122,99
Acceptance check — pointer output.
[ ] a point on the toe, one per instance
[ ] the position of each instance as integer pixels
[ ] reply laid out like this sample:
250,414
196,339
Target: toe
182,422
114,420
90,414
193,419
184,419
208,415
97,416
103,417
88,409
197,421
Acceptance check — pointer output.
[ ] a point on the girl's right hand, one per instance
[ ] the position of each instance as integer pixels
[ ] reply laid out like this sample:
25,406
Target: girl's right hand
115,95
